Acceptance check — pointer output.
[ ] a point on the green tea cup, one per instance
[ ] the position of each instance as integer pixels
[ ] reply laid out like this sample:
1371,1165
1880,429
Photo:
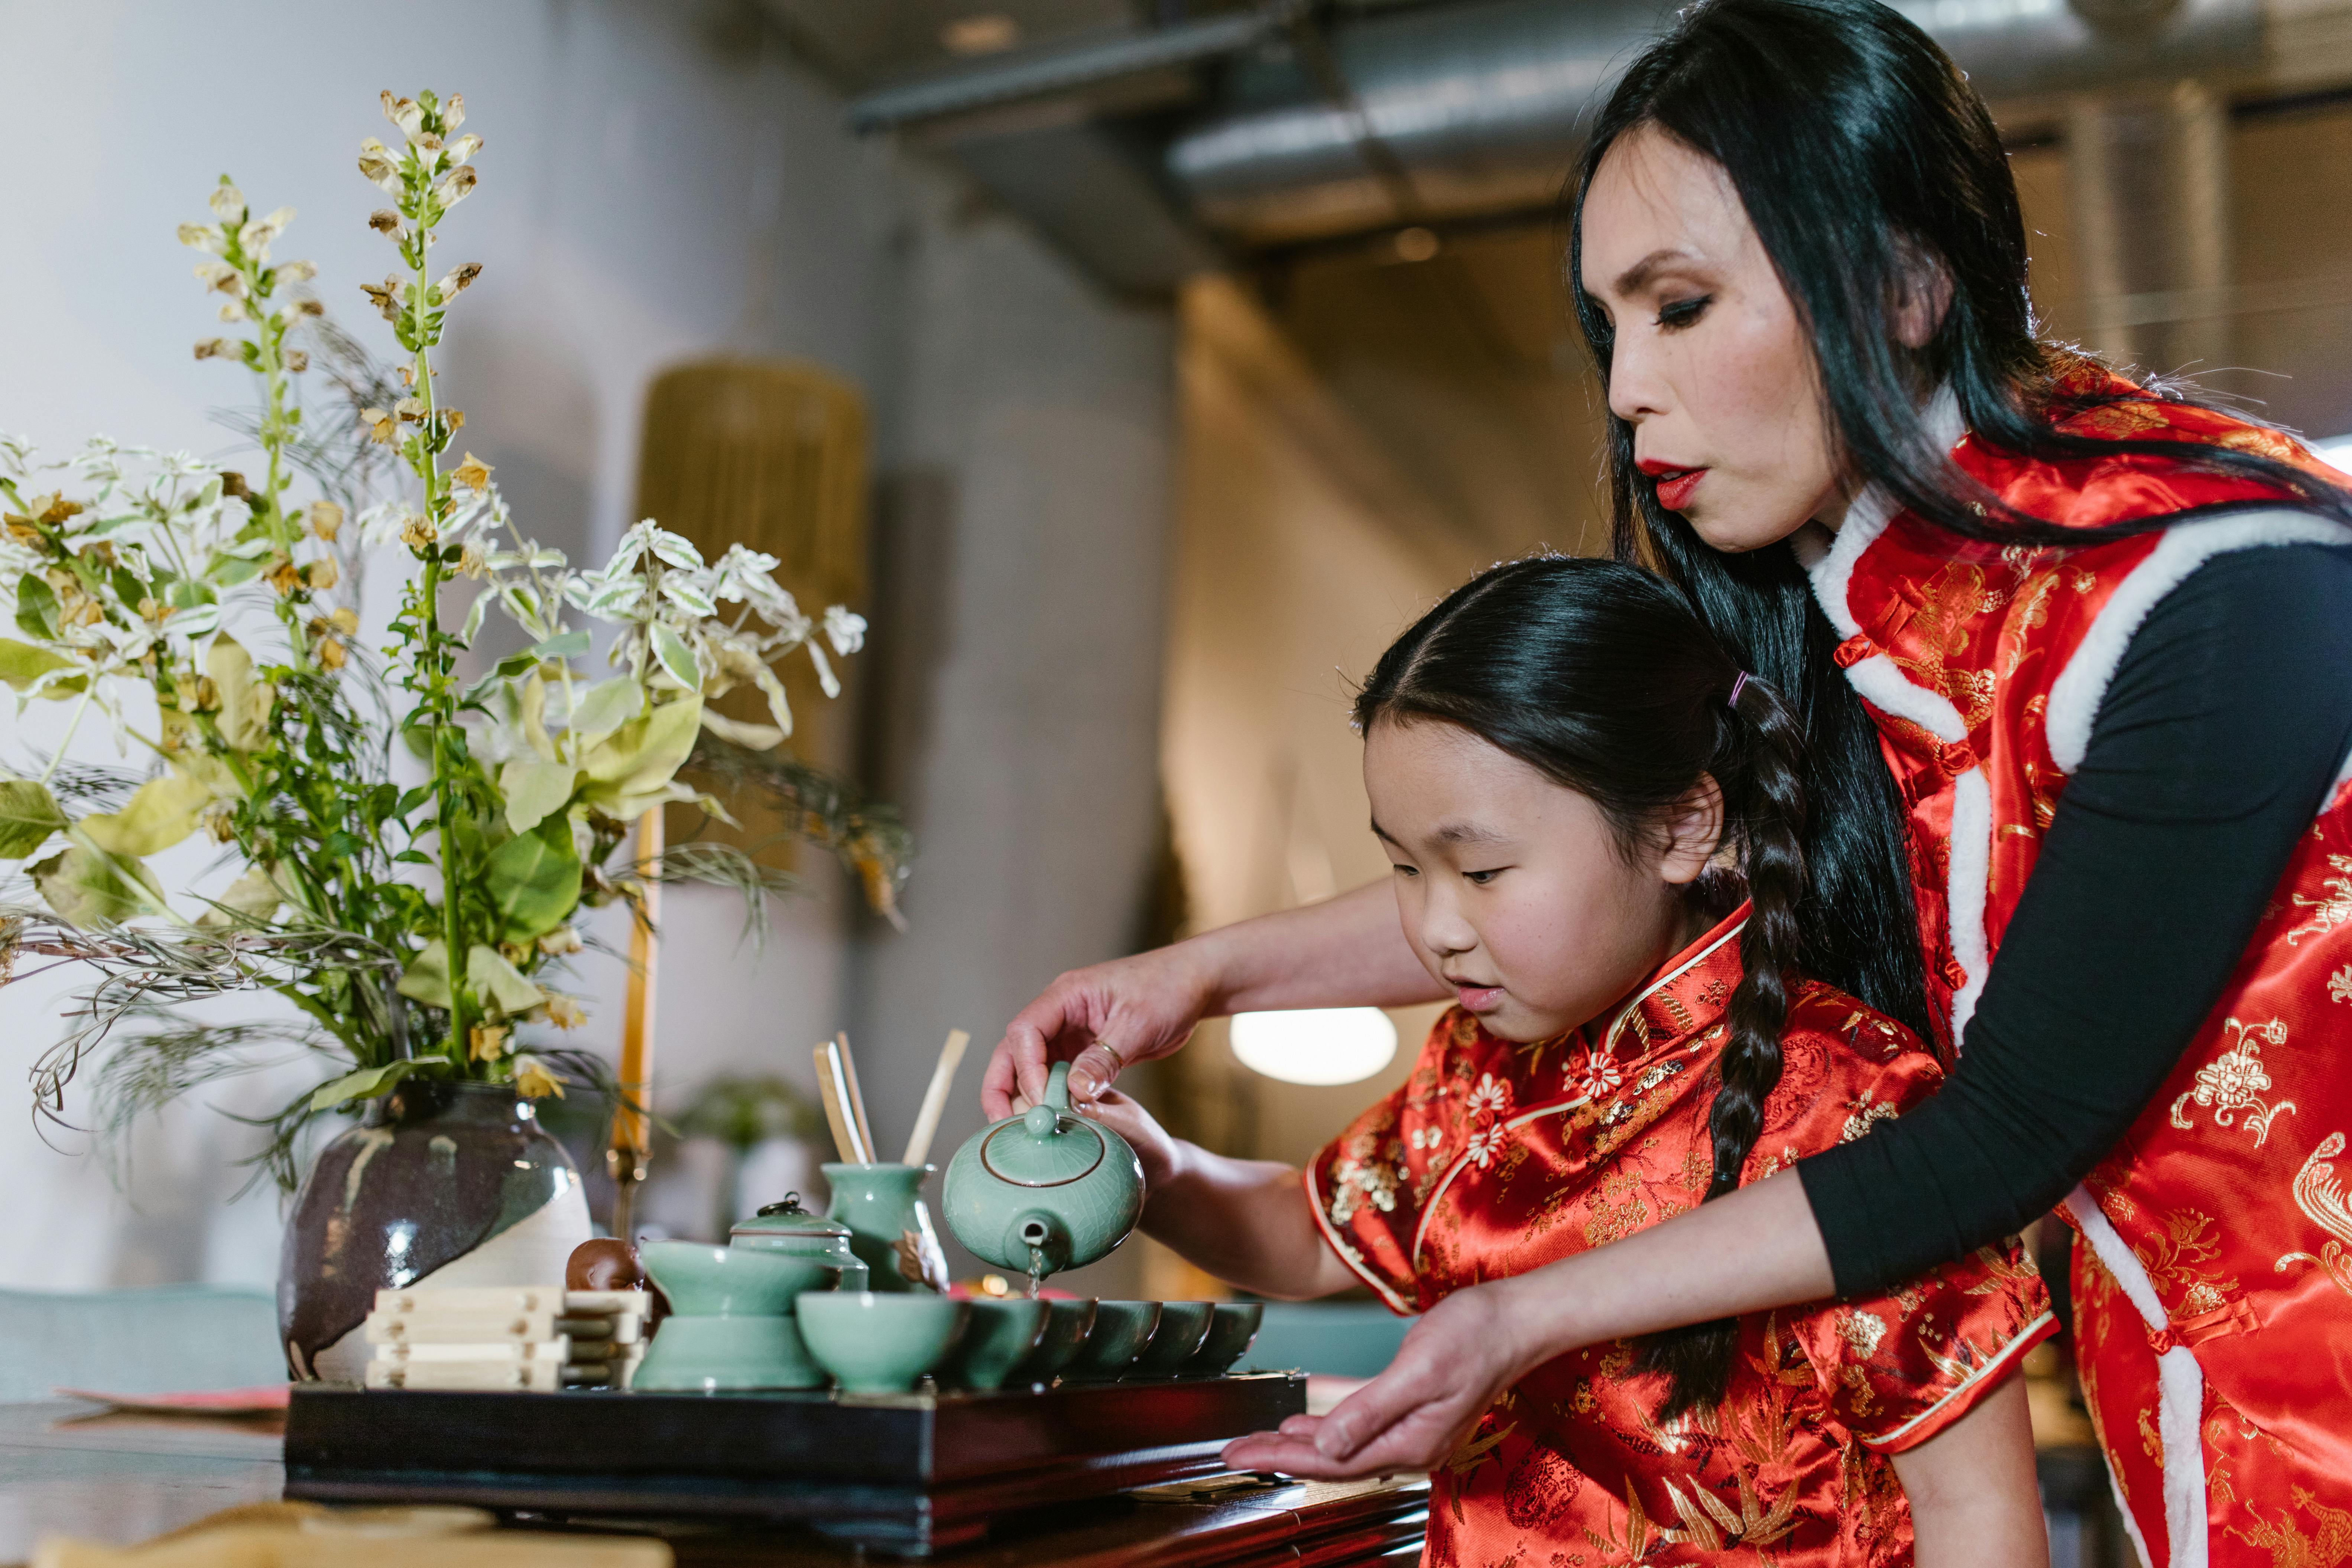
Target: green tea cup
1182,1326
1067,1324
999,1337
1231,1332
1120,1330
876,1343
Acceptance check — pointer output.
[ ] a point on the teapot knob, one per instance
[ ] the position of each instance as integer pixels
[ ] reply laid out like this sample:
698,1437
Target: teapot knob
1042,1120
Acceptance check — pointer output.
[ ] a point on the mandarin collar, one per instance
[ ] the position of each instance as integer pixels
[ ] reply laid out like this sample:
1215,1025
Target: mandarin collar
1687,996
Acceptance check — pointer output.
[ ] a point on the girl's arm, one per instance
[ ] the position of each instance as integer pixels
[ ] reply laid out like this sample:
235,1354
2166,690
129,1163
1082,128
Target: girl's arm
1974,1495
1348,951
1245,1221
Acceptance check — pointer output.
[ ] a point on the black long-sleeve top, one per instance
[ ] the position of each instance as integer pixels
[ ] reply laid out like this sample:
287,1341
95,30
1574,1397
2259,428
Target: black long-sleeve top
2218,739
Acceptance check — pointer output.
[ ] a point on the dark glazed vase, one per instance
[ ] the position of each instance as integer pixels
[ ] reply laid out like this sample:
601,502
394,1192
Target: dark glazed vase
440,1184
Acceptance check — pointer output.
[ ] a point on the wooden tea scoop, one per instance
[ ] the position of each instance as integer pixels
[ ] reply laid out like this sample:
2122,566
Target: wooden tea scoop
836,1115
853,1098
935,1099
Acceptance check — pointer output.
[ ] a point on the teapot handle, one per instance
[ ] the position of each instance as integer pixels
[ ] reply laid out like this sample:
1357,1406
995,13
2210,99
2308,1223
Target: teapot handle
1057,1087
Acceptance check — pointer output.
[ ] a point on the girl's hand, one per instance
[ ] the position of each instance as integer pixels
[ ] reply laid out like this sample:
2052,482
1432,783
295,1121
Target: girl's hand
1465,1350
1099,1019
1124,1114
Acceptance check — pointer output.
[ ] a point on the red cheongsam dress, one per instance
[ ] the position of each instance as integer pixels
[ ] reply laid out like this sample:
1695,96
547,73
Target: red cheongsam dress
2214,1296
1495,1158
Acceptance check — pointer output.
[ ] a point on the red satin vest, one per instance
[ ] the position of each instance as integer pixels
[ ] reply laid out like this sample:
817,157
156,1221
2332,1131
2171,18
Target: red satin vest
2214,1300
1493,1159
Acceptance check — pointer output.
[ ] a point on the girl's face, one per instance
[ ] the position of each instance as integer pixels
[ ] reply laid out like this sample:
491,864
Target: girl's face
1512,889
1711,365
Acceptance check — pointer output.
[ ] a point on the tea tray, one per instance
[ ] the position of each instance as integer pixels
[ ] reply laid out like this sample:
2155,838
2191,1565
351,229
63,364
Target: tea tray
908,1474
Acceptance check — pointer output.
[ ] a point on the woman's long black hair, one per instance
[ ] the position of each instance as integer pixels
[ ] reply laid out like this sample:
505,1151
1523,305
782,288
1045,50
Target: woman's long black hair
1863,155
1599,675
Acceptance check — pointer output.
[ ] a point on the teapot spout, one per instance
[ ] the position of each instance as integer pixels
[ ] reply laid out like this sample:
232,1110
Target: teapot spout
1038,1238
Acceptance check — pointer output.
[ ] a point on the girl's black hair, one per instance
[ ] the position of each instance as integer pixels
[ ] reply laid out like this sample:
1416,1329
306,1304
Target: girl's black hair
1599,675
1864,159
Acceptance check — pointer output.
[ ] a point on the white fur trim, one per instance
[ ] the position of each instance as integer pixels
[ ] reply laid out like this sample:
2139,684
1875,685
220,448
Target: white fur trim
1968,881
1883,684
2181,1391
2082,686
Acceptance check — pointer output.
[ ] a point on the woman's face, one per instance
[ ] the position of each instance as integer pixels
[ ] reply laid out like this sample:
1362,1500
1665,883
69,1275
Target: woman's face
1511,888
1711,364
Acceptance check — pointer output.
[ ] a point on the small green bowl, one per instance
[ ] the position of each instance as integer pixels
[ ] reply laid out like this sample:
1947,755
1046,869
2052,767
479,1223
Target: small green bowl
875,1344
1121,1329
1183,1326
1232,1333
1067,1324
706,1281
999,1338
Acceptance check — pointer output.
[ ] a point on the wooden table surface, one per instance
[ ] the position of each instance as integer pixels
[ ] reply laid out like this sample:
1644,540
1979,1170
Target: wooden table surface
66,1469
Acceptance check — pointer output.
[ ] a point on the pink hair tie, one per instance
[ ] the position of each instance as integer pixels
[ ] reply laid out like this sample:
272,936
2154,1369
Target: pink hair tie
1738,687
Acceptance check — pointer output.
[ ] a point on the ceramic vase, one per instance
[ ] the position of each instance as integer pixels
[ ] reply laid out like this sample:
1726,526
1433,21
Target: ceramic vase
440,1184
890,1227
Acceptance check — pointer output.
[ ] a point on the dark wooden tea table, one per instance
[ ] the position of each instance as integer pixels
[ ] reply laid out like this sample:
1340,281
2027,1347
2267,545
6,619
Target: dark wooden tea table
66,1469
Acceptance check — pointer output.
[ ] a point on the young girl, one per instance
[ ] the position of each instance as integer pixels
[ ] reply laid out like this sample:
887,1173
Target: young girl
1577,787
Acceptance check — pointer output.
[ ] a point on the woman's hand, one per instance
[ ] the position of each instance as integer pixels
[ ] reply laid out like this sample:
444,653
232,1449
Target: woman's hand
1347,952
1465,1350
1099,1019
1158,1152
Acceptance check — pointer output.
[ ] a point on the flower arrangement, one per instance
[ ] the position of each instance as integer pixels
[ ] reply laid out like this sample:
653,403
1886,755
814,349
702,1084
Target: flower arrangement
414,846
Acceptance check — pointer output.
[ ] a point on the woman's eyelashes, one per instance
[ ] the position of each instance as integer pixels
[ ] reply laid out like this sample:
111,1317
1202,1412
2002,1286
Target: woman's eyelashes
1676,314
1480,878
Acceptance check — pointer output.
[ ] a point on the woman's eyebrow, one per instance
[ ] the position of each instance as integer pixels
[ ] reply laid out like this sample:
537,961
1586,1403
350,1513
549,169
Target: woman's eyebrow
1641,271
1467,832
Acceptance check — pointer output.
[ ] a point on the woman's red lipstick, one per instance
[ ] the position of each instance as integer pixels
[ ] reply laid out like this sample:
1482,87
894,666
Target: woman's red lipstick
1674,484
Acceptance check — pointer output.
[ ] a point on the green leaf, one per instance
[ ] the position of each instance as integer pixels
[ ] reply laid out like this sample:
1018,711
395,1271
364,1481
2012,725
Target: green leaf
36,607
255,895
534,791
632,769
91,890
569,645
28,815
21,664
753,737
426,978
533,880
605,706
361,1085
244,701
501,984
677,657
160,814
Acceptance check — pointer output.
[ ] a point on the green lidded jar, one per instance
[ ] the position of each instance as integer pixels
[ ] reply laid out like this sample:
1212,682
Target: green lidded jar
788,1228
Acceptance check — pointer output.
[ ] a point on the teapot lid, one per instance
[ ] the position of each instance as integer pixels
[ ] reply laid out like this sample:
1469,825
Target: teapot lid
788,1218
1047,1147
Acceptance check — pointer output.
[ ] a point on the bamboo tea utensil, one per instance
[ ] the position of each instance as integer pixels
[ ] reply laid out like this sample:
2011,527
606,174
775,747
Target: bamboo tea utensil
935,1099
632,1146
828,1089
856,1097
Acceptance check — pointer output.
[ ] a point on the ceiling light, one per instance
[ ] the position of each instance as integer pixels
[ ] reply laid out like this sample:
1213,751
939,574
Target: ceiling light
991,31
1319,1046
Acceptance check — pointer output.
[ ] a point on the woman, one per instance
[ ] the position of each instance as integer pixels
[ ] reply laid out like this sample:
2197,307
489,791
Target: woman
2100,639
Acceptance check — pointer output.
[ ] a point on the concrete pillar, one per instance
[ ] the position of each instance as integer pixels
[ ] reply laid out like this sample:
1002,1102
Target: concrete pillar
2150,180
1015,674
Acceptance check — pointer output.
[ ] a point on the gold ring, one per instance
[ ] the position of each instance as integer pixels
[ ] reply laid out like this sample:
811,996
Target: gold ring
1112,1052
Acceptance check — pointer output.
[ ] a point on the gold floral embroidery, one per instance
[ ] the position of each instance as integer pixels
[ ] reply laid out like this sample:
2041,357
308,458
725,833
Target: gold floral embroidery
2329,913
2174,1259
2233,1081
1940,632
1709,1523
1617,1209
2117,421
1863,1330
1360,1177
2339,984
1865,1112
2289,1547
2321,1197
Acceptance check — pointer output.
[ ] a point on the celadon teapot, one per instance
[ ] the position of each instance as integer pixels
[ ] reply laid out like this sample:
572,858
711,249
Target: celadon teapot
1047,1190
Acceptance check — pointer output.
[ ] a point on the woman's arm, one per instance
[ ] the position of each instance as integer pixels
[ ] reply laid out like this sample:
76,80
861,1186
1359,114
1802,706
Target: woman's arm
1245,1221
1974,1495
1347,952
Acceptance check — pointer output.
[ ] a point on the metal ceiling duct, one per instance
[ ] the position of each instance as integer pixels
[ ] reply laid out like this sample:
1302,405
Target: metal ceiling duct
1308,125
